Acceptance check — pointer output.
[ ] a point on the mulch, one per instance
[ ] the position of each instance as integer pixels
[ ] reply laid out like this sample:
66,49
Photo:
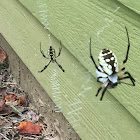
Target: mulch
16,112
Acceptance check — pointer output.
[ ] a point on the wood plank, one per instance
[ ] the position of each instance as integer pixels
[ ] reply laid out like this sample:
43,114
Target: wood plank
74,22
73,91
134,5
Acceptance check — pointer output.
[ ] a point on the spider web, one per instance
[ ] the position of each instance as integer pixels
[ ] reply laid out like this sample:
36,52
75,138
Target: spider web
55,85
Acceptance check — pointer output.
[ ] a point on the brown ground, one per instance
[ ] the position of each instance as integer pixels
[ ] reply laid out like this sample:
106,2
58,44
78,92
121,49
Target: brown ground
15,107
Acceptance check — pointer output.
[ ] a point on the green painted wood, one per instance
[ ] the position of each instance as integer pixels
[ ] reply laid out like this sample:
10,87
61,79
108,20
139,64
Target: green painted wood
74,22
132,4
73,91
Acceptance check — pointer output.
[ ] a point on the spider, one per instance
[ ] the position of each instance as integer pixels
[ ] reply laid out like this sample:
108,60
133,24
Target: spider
52,56
107,72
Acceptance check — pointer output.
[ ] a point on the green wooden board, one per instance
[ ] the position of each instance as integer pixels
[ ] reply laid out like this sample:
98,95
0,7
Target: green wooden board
74,91
132,4
74,22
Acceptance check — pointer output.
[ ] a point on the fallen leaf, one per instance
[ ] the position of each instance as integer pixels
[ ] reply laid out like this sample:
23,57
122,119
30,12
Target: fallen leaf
6,111
10,99
4,108
2,56
2,105
23,100
29,127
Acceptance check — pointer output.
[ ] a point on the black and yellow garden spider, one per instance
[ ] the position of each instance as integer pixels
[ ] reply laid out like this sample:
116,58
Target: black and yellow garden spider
52,56
107,72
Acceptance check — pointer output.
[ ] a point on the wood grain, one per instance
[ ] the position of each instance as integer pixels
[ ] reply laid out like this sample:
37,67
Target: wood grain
74,22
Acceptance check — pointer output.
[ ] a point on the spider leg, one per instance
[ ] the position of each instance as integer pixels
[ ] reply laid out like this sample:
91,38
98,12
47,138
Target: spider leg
126,58
125,83
43,52
121,70
126,77
120,82
93,58
103,85
104,92
60,66
59,50
45,67
98,91
100,78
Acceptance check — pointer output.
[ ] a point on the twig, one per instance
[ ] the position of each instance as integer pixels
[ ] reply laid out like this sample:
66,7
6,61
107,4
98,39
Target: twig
15,109
4,136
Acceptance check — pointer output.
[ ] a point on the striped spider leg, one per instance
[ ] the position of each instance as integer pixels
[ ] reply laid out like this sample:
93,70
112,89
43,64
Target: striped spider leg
125,60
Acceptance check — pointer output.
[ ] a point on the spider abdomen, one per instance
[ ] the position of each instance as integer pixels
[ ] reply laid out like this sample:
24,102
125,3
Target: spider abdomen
108,61
103,77
51,53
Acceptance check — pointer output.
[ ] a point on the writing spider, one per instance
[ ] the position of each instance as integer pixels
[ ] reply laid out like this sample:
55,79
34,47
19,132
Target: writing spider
52,56
107,72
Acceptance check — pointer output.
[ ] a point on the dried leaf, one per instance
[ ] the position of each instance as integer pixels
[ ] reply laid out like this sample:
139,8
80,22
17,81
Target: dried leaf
2,105
23,100
6,111
10,97
2,56
29,127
